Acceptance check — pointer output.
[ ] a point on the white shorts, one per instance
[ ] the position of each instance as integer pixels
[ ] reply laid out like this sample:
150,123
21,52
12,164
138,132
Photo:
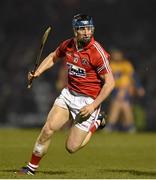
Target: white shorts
74,103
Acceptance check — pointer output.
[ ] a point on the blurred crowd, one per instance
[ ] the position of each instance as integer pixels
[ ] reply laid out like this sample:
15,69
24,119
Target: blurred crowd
126,25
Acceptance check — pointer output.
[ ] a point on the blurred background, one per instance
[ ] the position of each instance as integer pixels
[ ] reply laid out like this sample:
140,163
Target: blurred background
124,24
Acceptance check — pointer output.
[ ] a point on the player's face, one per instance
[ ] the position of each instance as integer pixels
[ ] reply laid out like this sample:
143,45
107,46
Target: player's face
84,34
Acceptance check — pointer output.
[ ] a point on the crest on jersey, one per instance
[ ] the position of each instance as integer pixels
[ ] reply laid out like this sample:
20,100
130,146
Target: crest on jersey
76,58
84,61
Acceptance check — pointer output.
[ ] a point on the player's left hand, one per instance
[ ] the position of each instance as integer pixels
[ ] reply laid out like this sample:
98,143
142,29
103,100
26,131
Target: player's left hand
87,110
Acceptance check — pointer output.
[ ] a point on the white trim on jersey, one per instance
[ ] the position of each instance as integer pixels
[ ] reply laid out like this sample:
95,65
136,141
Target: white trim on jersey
104,58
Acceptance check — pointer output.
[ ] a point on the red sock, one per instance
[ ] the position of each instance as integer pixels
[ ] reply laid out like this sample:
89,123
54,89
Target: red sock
34,163
94,126
35,159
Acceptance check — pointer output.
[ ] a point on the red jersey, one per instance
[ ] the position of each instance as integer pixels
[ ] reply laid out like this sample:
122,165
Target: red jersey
84,66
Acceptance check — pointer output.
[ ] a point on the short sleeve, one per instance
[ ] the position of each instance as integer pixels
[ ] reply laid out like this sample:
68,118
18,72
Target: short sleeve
101,60
61,50
103,66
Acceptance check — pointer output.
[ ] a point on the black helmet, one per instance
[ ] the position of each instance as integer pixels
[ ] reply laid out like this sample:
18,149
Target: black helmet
82,20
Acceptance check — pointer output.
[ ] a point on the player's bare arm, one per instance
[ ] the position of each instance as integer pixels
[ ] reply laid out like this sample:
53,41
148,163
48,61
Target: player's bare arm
106,89
104,93
47,63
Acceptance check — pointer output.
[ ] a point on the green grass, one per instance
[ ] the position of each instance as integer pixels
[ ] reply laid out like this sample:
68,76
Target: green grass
115,155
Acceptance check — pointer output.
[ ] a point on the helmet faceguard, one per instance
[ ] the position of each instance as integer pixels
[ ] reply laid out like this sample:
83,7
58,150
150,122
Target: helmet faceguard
80,21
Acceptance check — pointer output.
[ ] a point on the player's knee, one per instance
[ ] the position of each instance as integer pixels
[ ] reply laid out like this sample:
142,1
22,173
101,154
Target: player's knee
72,147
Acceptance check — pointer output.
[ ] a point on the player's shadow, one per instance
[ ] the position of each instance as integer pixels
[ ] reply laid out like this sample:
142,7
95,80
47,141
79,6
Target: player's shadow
53,172
42,172
131,171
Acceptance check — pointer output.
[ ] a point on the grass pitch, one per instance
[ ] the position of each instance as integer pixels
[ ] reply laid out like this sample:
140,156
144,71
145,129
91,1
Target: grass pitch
115,155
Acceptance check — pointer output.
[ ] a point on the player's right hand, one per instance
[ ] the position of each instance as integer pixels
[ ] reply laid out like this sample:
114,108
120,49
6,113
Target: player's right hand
33,75
30,75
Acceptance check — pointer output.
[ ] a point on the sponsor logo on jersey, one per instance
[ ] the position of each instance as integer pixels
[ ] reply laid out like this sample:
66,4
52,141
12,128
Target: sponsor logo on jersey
76,70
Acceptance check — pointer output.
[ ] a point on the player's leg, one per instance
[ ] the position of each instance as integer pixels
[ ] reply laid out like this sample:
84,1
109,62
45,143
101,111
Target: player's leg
83,137
128,123
75,139
80,129
97,124
87,139
57,117
114,112
81,133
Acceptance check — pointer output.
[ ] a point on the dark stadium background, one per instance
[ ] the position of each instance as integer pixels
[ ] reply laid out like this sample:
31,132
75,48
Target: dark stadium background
125,24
